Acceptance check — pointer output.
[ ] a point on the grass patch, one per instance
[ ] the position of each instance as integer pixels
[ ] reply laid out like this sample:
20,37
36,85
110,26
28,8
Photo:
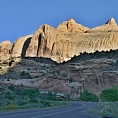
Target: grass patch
106,109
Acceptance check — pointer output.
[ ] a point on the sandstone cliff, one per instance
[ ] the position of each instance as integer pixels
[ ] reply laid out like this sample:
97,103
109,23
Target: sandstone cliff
67,40
20,46
56,44
71,39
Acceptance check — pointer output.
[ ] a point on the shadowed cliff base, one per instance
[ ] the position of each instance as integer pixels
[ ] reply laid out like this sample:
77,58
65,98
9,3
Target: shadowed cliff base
112,54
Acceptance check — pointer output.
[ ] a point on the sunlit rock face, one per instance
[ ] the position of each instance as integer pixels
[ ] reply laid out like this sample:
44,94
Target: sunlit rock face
5,50
109,26
70,39
67,40
20,46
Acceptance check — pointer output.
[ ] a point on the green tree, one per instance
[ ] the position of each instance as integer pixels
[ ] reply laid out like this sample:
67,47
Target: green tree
88,96
110,94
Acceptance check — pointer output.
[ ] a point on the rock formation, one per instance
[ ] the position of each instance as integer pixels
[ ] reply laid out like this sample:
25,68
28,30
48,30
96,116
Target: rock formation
61,44
94,75
20,46
5,50
71,39
67,40
71,26
109,26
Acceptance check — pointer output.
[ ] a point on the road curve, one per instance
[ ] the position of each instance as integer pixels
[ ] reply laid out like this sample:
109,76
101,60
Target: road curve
70,111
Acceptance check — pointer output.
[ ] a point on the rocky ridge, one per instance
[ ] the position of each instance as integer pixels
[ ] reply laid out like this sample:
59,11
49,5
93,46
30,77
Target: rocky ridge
71,78
109,26
67,40
61,44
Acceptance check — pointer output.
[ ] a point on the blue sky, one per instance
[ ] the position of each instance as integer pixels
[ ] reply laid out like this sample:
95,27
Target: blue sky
22,17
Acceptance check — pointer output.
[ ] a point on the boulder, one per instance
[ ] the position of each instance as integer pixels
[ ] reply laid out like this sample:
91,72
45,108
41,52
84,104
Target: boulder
5,50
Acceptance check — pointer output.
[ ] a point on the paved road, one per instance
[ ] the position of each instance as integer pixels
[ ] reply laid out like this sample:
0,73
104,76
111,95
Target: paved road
71,111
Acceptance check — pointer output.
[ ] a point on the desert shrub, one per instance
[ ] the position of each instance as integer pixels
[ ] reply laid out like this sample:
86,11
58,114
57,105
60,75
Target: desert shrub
5,102
110,94
21,101
64,74
52,96
36,76
64,103
25,75
71,80
11,88
57,72
68,97
49,96
9,96
20,97
117,62
45,103
88,96
10,106
33,100
31,92
18,90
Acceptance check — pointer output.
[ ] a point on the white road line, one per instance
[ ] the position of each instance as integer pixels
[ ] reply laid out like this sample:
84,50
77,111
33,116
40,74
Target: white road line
41,109
28,113
58,113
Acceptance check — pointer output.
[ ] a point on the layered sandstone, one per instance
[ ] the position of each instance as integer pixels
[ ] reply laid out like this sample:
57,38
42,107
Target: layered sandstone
67,40
71,26
109,26
94,75
63,43
55,43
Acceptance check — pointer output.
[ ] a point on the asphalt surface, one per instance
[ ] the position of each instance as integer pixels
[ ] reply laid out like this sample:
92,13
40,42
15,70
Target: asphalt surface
70,111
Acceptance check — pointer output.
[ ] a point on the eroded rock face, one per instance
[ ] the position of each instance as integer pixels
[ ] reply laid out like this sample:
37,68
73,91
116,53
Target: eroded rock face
71,26
66,41
93,74
5,50
20,46
72,78
109,26
54,43
63,43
